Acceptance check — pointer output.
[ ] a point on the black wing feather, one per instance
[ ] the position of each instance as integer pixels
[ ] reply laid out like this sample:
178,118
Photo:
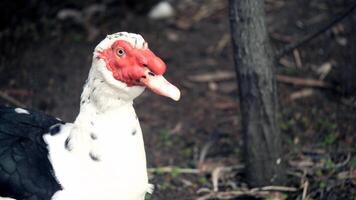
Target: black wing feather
25,170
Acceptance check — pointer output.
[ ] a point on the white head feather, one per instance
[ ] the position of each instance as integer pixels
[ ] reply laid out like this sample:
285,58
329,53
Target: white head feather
136,40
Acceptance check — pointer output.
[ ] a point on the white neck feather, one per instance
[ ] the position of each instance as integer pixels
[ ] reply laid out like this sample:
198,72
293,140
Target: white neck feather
102,93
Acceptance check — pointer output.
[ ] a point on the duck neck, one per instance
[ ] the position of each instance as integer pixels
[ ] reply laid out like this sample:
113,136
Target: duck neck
100,98
106,113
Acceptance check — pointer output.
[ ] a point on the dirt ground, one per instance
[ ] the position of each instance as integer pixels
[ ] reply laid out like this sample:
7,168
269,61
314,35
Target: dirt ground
44,62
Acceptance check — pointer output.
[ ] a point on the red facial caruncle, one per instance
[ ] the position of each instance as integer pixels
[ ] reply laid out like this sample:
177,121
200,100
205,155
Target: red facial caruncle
138,67
127,63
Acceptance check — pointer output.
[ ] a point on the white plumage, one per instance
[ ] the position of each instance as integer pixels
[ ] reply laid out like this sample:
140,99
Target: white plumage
101,155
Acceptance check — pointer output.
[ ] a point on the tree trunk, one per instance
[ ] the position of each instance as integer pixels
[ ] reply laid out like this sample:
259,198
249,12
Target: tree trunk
257,89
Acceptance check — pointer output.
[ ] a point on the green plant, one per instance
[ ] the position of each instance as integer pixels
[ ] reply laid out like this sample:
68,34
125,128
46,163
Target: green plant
148,196
175,172
322,185
187,152
329,139
165,137
329,164
286,125
164,186
329,129
202,180
353,161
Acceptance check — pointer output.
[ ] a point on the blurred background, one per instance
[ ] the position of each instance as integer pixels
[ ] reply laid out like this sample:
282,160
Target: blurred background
45,55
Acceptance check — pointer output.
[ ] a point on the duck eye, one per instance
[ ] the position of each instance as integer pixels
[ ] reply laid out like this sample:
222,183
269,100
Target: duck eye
120,52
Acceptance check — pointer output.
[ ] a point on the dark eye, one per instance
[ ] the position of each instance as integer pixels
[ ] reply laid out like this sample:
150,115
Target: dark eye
120,52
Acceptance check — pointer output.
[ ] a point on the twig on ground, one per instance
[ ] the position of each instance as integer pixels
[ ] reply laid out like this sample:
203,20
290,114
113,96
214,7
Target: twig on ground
11,100
233,194
286,63
170,169
302,81
204,151
324,70
221,44
203,190
295,174
214,76
177,128
301,94
343,163
255,192
186,182
312,36
297,58
282,38
277,188
351,174
216,174
305,190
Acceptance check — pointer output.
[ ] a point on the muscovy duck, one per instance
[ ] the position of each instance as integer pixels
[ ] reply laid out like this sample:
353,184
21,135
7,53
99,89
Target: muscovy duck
101,155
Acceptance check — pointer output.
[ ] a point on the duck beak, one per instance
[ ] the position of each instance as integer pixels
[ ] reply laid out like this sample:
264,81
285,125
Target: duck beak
159,85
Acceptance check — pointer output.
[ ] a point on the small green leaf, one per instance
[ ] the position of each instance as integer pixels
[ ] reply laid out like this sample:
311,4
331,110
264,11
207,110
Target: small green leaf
203,180
148,196
353,162
322,185
329,164
175,172
164,186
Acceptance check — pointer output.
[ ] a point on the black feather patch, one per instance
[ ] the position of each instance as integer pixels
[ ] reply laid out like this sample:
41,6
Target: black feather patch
25,170
55,129
67,144
93,136
94,157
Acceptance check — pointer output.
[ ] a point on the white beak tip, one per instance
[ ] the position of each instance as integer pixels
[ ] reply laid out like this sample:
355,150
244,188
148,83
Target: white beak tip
172,91
176,97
